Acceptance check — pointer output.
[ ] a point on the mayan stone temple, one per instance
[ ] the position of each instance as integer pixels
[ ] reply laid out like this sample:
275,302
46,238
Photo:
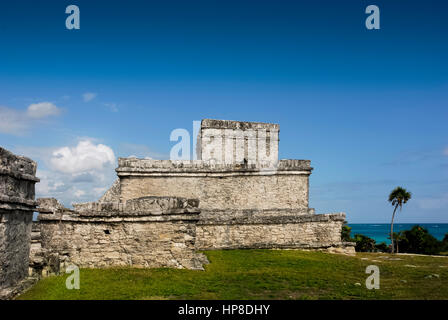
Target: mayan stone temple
248,198
161,213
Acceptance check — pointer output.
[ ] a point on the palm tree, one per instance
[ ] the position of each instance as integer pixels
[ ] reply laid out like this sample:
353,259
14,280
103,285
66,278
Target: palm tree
397,198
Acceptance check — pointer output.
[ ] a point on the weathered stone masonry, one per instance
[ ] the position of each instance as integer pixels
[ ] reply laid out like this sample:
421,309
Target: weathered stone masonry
241,207
144,232
321,231
218,186
17,180
230,142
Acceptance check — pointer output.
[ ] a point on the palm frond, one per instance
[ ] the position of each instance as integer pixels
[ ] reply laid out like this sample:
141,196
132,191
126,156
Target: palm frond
399,196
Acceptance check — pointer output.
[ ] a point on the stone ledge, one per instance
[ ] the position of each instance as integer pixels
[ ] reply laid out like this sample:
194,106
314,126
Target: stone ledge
227,214
143,204
137,213
16,207
134,166
265,219
51,209
294,164
18,175
17,203
74,217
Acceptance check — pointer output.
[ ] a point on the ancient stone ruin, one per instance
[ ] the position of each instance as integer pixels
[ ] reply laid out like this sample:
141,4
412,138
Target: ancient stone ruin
17,179
160,213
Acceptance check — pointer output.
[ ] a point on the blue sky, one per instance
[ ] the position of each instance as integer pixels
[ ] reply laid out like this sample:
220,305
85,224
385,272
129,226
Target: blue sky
368,107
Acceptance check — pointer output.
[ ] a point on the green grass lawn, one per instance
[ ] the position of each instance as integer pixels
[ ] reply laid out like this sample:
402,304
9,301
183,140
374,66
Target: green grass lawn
262,274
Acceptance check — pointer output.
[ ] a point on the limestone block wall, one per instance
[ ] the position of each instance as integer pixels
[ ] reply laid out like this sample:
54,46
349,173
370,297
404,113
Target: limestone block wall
281,231
231,142
218,186
15,231
146,232
17,180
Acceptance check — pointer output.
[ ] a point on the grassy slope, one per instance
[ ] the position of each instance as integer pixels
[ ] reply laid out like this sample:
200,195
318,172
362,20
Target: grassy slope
261,274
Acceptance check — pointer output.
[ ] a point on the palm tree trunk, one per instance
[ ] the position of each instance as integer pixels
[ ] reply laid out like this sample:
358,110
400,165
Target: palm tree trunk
392,229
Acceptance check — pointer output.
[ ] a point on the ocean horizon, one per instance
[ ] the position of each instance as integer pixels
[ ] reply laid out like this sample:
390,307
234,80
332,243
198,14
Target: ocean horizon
380,231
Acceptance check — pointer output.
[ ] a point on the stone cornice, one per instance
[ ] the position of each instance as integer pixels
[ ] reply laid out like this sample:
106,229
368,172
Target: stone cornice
17,203
285,218
241,125
85,218
18,175
169,207
149,167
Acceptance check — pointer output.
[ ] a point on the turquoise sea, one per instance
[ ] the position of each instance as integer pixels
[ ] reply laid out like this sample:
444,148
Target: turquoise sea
380,231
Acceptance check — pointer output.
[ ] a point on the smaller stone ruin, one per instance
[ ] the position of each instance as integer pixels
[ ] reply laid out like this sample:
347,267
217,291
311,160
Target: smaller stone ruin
143,232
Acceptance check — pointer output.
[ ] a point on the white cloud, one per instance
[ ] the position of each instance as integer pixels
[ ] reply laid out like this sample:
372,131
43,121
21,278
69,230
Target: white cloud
42,110
84,157
59,185
78,172
89,96
50,185
17,122
74,173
